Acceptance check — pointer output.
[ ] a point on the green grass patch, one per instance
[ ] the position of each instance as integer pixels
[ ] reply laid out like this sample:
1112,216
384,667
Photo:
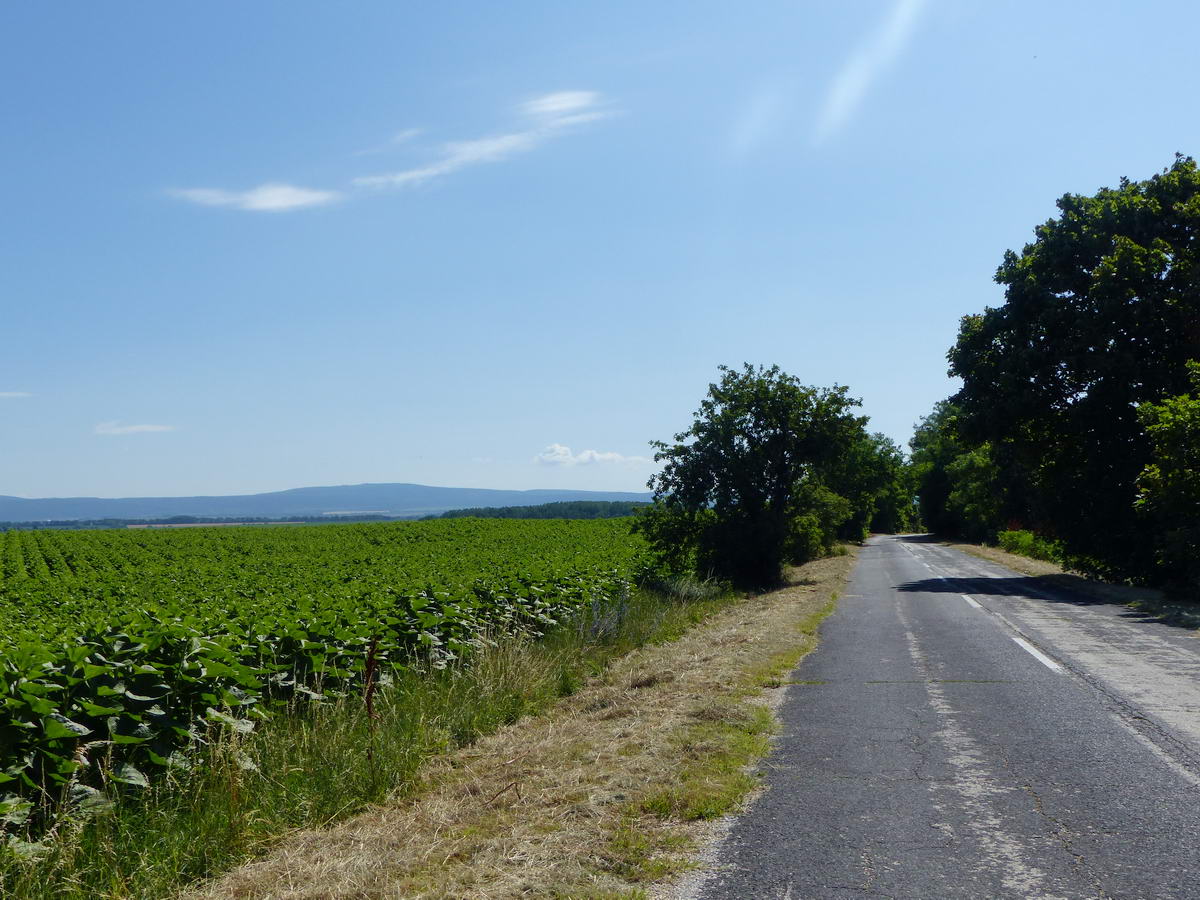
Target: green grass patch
770,673
717,751
638,857
713,775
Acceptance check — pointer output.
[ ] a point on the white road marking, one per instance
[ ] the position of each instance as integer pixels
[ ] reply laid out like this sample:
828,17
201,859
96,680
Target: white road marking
1154,676
1158,678
976,788
1037,654
974,603
1171,762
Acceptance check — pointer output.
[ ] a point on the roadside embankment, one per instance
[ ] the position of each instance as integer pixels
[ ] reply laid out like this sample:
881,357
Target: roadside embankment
609,791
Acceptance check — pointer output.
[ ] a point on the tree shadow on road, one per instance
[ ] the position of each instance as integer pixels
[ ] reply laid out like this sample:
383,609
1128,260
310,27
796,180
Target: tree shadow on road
919,538
1063,589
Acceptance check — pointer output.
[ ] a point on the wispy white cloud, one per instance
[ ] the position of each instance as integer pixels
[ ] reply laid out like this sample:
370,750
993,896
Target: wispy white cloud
559,103
116,428
560,455
541,118
396,140
456,155
546,117
270,197
403,137
865,65
758,119
14,395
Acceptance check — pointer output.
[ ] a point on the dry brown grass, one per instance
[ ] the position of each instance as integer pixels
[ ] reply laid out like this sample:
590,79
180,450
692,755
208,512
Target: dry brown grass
571,803
1023,564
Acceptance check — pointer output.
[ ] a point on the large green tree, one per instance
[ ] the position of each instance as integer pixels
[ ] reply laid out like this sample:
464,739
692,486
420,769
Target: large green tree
871,473
1101,315
743,490
934,446
957,484
1169,486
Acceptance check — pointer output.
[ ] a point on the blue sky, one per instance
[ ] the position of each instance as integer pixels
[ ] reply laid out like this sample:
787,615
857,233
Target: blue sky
249,247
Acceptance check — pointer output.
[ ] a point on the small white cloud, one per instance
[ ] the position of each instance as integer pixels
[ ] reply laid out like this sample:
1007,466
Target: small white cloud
560,103
551,114
271,197
555,455
865,65
117,428
560,455
14,395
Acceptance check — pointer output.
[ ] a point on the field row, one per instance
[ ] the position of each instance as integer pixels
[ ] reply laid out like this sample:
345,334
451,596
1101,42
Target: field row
110,677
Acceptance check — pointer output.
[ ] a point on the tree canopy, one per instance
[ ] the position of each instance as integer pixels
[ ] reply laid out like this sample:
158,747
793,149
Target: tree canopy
1169,486
956,483
1101,316
767,474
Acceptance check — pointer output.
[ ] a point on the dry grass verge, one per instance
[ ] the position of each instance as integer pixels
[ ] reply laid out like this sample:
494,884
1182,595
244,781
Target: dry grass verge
598,797
1052,575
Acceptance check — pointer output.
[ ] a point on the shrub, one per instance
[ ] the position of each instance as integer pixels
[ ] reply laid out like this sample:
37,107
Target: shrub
1026,543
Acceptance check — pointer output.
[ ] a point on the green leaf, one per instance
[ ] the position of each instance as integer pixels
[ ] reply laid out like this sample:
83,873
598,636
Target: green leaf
95,709
83,797
242,726
130,739
14,810
28,850
57,726
127,774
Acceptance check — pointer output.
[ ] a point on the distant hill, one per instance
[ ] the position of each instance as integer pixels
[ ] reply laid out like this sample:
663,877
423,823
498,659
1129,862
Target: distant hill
564,509
389,500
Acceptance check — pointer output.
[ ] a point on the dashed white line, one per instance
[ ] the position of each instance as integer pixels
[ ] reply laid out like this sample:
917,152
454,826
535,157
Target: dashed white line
1037,654
1021,642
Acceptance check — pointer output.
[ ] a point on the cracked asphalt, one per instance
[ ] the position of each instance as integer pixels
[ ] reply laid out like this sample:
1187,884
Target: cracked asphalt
962,733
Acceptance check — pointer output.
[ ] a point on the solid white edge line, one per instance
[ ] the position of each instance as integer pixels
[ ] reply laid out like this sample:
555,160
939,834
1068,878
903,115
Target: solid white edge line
1037,654
974,603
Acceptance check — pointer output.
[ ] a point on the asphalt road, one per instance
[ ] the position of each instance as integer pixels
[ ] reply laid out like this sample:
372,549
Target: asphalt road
959,733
